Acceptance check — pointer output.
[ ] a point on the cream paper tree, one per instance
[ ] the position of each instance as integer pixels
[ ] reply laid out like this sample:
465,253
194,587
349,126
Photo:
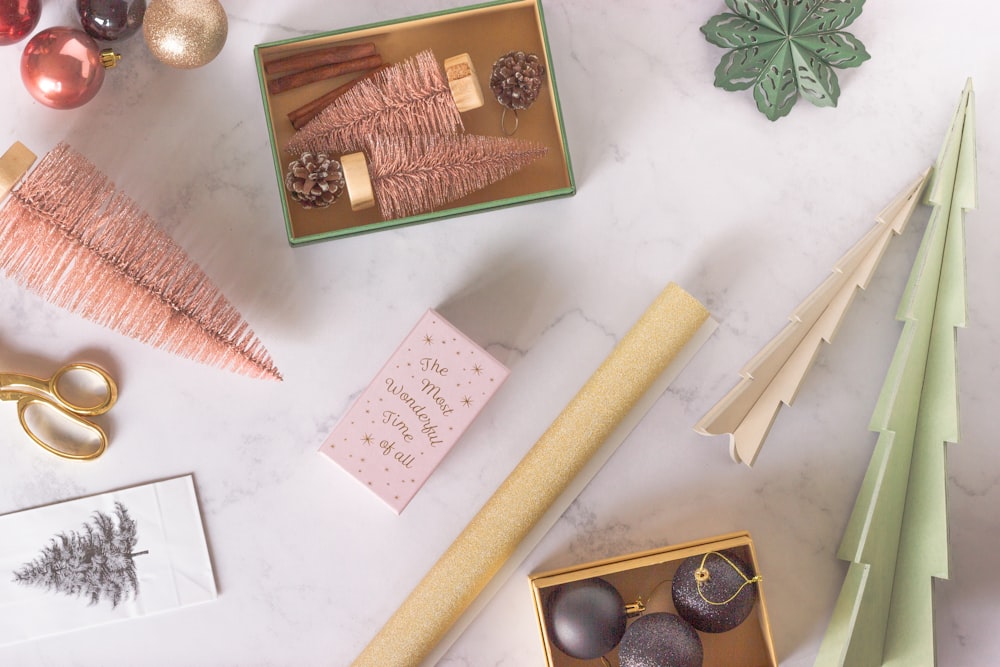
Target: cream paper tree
897,536
773,376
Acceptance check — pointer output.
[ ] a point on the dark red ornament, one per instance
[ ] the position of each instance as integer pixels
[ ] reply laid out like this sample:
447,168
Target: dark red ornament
110,20
63,68
17,19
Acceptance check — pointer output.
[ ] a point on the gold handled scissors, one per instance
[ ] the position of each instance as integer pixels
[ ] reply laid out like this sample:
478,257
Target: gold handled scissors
53,411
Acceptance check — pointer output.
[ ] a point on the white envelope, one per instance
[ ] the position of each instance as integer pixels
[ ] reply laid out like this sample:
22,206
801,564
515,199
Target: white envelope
170,558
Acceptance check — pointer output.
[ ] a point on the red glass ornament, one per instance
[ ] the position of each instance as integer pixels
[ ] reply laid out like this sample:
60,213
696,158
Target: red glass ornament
62,67
17,19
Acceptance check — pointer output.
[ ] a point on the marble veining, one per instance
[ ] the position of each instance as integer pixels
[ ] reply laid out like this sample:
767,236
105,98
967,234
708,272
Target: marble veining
677,180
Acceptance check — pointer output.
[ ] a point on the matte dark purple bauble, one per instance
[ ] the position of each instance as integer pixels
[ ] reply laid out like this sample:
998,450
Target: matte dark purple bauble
586,619
109,20
723,583
660,640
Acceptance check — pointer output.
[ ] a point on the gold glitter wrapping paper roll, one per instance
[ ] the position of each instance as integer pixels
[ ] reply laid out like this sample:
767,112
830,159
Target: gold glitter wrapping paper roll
494,534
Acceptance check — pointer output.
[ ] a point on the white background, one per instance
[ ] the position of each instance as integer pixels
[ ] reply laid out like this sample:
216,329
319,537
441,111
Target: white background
677,181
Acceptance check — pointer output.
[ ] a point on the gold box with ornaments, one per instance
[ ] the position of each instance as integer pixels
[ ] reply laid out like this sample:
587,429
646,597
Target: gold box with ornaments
695,604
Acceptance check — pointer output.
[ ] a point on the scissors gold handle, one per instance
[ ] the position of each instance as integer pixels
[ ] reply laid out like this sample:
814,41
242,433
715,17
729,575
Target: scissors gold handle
52,410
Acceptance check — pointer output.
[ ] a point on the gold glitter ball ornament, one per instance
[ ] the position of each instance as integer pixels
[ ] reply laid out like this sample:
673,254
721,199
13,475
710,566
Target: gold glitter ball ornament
185,33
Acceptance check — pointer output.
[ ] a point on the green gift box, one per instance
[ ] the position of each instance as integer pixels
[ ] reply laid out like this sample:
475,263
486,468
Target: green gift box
484,32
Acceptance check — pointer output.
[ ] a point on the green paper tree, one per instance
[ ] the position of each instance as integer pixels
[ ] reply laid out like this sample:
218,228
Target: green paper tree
95,563
784,49
897,537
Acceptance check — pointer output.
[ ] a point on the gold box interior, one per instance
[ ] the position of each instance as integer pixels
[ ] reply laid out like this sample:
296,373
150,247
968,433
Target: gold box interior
640,575
485,33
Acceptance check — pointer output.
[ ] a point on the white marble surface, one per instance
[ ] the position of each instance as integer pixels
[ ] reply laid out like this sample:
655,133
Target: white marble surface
677,181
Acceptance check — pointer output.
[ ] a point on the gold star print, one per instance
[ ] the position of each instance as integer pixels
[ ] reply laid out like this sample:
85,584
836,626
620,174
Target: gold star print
466,401
477,369
367,439
427,339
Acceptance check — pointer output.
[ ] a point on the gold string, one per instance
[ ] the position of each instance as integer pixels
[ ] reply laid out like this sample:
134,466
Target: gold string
503,122
652,592
702,574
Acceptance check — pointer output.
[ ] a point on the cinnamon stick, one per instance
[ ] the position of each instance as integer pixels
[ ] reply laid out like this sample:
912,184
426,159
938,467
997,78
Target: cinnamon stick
329,55
305,113
290,81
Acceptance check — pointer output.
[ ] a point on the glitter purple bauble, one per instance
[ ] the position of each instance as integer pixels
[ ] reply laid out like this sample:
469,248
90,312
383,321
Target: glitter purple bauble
723,583
660,640
586,619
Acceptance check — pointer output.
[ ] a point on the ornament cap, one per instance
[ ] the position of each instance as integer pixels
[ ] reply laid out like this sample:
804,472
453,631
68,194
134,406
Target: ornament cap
637,608
110,58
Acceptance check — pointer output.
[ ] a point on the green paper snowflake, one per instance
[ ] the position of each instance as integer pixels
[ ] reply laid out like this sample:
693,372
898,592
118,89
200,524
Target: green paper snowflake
786,48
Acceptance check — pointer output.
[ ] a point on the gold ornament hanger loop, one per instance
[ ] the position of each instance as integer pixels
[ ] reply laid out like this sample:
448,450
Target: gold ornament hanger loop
702,575
503,122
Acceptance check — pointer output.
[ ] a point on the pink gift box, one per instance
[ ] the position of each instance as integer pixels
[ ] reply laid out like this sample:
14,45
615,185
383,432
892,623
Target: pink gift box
415,410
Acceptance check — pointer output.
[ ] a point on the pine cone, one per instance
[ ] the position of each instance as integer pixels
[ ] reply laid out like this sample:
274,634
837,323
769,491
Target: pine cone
315,181
517,79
